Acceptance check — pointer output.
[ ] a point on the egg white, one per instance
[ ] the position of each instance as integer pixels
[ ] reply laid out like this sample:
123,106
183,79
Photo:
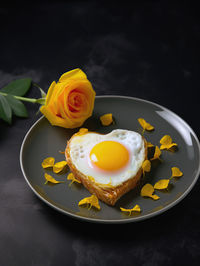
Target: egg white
81,145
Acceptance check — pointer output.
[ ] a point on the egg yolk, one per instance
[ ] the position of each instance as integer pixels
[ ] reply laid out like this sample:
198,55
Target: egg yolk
109,155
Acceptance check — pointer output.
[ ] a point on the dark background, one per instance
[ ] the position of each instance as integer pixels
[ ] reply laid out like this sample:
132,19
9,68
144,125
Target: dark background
147,49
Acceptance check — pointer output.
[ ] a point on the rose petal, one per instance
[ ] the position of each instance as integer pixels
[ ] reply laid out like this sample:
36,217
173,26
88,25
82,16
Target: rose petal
145,125
136,208
48,162
59,166
106,119
147,191
155,197
150,145
52,180
72,178
50,91
165,140
157,154
146,166
168,146
161,184
53,119
92,201
82,131
84,87
73,74
166,143
176,172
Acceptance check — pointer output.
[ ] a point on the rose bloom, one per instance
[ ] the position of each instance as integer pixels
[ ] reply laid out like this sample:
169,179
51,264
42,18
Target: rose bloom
70,101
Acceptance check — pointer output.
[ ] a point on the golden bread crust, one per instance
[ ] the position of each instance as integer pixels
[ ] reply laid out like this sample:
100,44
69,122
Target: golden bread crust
107,194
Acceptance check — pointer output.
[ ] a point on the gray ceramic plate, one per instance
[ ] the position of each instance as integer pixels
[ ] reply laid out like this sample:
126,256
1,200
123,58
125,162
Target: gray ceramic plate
43,140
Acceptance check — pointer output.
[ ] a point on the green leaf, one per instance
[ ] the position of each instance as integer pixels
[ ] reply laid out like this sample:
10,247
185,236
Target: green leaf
17,106
18,87
5,110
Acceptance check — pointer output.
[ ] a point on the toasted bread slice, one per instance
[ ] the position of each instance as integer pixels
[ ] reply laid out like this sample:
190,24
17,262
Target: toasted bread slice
109,195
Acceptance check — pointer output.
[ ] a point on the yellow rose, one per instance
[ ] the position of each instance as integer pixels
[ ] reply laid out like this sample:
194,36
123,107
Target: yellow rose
70,101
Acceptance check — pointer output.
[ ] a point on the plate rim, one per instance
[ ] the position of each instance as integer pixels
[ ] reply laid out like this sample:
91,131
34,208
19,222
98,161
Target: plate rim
115,221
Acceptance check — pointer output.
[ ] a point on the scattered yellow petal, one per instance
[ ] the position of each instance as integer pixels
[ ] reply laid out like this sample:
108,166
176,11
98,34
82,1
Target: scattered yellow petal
72,178
134,209
82,131
176,172
150,145
167,144
59,166
157,154
147,191
50,179
162,184
145,125
106,119
146,166
92,201
166,140
155,197
48,162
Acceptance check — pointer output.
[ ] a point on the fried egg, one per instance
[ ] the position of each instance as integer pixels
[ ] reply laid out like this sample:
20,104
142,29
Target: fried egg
109,159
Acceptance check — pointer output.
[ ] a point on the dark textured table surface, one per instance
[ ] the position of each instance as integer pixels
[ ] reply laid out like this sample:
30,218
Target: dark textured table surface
150,50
